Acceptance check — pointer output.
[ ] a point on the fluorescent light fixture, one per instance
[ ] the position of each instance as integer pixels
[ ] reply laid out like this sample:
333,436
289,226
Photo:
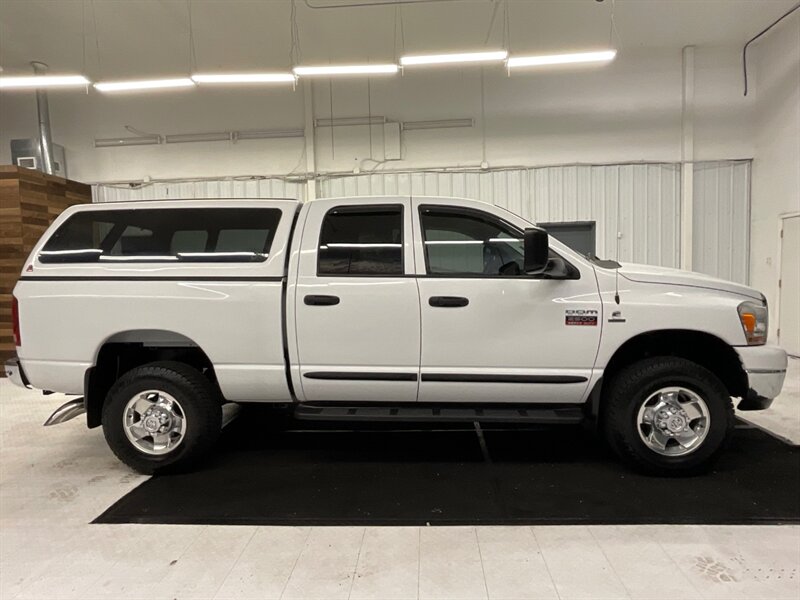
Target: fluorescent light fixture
266,134
440,124
221,136
127,141
328,70
349,121
561,59
149,84
244,78
444,59
36,81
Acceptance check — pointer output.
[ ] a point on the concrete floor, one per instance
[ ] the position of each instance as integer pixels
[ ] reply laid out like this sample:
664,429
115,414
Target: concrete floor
54,481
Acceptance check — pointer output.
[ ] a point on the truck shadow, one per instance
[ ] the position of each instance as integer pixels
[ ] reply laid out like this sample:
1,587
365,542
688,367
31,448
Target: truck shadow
272,470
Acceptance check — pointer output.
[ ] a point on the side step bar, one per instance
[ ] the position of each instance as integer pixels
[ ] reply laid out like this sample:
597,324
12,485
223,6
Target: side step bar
418,414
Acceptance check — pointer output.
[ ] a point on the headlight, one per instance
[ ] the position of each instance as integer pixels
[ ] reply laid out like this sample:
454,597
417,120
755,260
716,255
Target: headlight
754,318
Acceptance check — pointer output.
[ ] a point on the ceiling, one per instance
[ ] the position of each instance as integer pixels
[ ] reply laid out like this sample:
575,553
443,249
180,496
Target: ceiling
110,39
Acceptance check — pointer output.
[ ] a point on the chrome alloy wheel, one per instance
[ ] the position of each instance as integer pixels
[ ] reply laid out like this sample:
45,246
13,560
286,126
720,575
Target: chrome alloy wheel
154,422
673,421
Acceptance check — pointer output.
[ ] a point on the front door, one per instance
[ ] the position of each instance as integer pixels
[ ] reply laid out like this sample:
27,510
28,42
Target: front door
491,333
357,310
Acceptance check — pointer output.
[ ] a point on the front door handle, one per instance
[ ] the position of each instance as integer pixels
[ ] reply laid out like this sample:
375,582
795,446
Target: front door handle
448,301
313,300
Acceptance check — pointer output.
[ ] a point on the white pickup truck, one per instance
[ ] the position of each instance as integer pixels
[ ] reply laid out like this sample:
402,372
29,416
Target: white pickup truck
379,308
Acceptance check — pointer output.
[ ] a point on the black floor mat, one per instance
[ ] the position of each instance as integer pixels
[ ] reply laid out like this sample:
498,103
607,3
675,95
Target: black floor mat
331,474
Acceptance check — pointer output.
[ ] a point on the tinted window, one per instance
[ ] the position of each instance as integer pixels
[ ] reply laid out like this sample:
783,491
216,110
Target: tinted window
168,234
189,241
467,243
362,241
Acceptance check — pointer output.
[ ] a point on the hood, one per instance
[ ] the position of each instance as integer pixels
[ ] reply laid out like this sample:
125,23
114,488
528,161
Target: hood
651,274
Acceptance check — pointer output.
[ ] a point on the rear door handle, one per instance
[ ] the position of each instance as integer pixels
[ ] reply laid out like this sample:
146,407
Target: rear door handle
448,301
321,300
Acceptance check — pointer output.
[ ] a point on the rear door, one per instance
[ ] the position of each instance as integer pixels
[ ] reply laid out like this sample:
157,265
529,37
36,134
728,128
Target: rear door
356,303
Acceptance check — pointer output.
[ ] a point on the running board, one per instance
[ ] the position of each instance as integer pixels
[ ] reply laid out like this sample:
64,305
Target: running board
416,414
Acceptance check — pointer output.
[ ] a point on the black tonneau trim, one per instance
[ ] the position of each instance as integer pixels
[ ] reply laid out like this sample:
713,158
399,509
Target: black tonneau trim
488,378
360,376
145,278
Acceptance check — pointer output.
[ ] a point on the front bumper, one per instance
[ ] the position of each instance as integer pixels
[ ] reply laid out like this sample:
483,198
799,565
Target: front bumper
766,370
15,373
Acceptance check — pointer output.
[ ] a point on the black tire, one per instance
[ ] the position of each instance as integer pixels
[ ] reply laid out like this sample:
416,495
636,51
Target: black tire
632,386
199,400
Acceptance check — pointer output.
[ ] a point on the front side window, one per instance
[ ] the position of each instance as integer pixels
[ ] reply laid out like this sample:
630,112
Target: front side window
470,243
362,240
164,235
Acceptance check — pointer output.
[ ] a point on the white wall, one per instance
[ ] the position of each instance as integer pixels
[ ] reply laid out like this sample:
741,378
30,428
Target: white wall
640,202
775,76
627,111
721,219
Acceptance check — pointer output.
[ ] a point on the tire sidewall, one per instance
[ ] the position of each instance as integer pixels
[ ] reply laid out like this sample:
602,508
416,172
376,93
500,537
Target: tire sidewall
696,379
113,422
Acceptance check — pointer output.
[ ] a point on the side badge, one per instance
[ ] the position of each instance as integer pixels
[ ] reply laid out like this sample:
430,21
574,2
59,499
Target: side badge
616,317
582,318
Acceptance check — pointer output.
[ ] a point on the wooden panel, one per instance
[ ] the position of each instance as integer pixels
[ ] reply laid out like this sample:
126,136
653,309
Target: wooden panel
29,202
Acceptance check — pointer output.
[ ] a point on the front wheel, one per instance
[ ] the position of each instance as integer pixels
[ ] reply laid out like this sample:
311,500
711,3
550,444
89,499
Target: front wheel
667,415
160,415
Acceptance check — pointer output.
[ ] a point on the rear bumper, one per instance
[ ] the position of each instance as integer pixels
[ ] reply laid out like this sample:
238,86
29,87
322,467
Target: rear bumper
16,374
766,370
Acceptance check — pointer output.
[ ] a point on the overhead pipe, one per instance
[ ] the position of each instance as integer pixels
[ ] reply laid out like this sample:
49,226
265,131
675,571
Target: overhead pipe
758,35
45,134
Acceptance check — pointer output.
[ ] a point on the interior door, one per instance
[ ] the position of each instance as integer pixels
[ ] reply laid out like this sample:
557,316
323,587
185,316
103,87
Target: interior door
490,333
357,312
789,318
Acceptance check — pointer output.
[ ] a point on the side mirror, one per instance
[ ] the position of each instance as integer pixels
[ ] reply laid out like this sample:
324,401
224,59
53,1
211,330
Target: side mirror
537,250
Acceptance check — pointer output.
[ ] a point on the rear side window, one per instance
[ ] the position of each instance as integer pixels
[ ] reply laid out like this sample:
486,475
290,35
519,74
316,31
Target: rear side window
363,240
164,235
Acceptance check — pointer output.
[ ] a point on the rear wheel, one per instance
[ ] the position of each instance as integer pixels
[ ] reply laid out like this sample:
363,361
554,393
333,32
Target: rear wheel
667,415
162,415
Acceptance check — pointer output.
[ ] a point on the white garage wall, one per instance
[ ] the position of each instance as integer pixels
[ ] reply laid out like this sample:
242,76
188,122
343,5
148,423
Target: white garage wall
221,188
641,201
627,111
721,220
646,197
776,166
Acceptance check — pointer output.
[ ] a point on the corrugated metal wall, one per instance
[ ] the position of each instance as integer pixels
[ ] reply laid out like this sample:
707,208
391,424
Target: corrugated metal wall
220,188
640,201
721,220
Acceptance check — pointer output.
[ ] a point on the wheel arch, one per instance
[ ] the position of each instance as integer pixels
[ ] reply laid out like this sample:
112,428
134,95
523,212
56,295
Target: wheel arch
700,347
125,350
